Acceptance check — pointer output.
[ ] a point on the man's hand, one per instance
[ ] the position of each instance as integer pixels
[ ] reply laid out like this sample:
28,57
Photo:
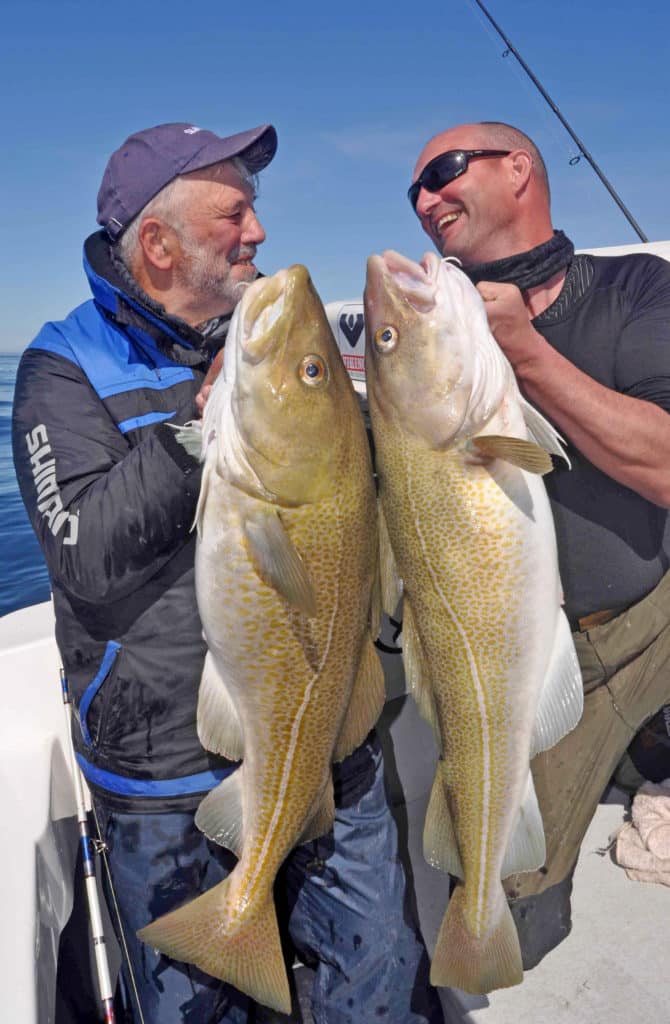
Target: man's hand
208,382
625,437
509,320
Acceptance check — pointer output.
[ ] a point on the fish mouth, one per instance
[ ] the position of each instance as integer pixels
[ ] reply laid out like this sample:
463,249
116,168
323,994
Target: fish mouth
263,304
414,282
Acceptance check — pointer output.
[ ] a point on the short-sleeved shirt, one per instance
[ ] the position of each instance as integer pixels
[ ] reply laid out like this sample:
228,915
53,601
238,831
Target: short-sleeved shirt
612,320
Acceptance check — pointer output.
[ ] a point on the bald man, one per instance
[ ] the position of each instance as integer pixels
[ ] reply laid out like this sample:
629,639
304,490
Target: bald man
589,341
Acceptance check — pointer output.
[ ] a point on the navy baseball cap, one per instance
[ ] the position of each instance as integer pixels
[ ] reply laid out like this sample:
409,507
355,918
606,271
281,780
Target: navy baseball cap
150,159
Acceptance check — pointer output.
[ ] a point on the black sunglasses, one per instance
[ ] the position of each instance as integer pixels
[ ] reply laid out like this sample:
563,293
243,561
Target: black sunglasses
444,168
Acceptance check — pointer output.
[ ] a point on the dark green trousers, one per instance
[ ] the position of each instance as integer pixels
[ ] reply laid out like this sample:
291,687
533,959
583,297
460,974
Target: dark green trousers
625,666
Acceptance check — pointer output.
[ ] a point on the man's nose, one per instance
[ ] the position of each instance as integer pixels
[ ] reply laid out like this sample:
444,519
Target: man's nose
254,232
426,202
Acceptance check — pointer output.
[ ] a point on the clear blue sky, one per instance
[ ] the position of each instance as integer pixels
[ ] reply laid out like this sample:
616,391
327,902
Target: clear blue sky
354,89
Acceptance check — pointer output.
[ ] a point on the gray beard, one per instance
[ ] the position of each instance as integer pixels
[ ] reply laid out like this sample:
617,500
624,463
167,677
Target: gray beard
204,278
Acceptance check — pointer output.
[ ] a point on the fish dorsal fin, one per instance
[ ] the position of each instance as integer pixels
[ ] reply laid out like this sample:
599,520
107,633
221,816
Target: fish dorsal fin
365,704
526,850
562,698
322,820
205,481
277,561
219,815
440,847
417,673
219,728
492,375
189,436
516,450
542,432
390,578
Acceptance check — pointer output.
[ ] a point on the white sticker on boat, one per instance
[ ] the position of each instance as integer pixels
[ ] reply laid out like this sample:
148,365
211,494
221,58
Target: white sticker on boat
348,326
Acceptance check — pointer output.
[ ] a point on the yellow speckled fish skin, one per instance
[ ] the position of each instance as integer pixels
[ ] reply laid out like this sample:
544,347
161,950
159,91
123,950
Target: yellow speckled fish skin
474,546
288,468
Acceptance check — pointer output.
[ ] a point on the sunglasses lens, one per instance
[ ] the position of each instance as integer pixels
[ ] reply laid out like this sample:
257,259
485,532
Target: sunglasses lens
438,173
444,169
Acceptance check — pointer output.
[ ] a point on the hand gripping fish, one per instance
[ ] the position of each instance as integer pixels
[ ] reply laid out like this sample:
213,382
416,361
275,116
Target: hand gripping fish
467,534
285,564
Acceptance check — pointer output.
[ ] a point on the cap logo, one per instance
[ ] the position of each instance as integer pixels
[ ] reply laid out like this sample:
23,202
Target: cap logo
192,130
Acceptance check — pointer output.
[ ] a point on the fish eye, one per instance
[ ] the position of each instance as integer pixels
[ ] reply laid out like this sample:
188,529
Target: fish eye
313,371
386,339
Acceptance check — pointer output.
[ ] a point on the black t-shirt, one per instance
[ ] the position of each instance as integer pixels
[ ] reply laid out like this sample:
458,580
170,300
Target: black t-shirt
612,320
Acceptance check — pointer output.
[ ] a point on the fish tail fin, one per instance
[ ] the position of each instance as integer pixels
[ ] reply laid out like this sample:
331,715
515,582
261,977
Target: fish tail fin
245,952
476,965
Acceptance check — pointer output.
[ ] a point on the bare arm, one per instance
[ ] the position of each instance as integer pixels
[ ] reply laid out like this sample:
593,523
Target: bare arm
627,438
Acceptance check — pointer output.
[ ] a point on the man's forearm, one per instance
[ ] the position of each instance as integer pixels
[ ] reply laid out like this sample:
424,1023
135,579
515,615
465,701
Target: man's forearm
627,438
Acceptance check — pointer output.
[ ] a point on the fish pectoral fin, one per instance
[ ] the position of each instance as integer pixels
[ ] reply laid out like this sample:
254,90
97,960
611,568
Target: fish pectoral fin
391,582
277,561
365,703
219,815
515,450
542,432
562,698
322,821
219,728
526,850
189,436
476,964
417,672
248,955
440,847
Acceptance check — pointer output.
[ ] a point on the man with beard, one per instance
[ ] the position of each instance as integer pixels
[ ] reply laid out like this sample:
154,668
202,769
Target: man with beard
589,341
112,497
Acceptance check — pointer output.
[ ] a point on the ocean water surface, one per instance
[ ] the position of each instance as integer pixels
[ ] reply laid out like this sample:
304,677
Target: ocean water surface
23,575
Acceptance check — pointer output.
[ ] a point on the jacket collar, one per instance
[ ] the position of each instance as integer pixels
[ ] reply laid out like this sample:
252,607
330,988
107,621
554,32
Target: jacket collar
113,291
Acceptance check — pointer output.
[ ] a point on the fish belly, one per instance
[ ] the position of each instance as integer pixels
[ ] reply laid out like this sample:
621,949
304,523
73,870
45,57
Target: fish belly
286,682
289,678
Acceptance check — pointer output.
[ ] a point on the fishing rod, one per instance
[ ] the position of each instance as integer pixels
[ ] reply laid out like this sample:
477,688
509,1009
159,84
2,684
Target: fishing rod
583,151
87,852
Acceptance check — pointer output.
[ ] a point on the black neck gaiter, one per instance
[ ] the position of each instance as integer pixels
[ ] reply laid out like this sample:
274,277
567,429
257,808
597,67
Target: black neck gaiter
526,269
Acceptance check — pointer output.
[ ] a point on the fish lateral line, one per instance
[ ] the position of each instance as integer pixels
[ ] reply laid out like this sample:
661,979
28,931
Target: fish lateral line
284,781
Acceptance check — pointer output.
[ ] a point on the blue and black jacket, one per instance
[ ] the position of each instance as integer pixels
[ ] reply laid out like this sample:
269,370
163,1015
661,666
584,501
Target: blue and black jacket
112,497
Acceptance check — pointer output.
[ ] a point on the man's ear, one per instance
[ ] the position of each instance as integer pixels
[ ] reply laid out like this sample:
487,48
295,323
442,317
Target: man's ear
159,242
522,166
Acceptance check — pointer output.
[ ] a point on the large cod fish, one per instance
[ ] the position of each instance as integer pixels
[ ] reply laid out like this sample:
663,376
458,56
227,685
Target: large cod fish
285,564
467,535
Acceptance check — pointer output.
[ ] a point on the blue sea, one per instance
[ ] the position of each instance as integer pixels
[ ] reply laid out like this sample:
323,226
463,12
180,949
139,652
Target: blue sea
23,575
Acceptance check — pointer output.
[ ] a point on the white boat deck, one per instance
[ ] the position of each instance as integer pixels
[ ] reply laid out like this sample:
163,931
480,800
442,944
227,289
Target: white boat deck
613,966
611,969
